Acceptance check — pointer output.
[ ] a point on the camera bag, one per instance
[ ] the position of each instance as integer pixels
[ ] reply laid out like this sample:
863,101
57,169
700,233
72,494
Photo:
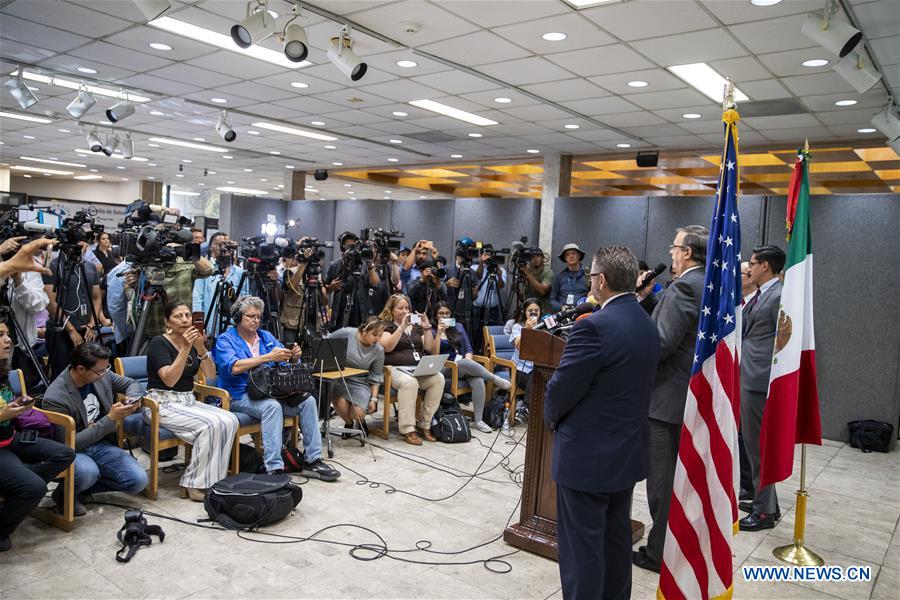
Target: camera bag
249,501
291,383
869,435
450,426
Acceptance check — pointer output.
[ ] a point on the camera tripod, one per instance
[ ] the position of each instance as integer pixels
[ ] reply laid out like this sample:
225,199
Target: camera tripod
311,310
70,263
264,288
462,299
151,293
353,307
19,340
484,311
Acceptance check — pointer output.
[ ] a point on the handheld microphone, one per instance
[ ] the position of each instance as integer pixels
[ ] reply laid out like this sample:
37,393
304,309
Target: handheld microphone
649,277
563,315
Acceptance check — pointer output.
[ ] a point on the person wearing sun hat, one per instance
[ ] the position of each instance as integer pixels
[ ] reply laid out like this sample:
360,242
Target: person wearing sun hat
571,283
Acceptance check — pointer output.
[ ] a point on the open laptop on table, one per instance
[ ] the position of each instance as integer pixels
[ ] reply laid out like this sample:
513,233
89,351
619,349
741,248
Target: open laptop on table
428,365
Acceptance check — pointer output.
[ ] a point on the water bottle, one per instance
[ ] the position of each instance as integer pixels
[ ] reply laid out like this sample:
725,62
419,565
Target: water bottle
504,427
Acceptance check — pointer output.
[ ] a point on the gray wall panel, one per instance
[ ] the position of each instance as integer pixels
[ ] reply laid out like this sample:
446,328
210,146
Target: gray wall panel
499,221
425,219
857,300
595,222
667,213
248,213
315,218
354,215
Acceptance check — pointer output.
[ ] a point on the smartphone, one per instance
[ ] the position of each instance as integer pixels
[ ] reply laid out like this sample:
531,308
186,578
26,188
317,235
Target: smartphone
415,320
131,401
449,322
22,401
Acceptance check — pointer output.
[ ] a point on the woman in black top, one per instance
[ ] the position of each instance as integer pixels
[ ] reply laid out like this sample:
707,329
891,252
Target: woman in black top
25,468
173,359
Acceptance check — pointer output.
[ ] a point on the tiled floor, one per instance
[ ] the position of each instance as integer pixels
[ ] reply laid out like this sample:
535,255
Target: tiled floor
854,507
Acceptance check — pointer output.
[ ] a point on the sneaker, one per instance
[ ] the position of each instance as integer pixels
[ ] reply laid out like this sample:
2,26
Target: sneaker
522,414
503,384
5,544
319,470
79,509
482,427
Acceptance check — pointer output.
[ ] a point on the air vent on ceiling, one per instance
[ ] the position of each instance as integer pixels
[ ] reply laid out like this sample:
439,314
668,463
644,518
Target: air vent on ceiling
431,137
771,108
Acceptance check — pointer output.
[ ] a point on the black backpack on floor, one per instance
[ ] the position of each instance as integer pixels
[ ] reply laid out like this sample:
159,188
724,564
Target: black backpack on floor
449,425
869,435
251,501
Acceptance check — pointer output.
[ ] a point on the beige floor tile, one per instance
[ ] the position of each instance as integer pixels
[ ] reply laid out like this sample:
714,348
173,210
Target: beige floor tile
887,587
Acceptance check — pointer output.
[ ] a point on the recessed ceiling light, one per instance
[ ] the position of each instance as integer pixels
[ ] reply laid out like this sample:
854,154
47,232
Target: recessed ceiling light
396,141
815,62
219,100
153,145
388,191
338,164
449,111
393,159
554,36
423,197
199,139
407,64
275,152
764,2
317,123
89,177
845,103
637,83
351,192
704,78
120,167
691,116
27,176
252,132
348,185
64,131
187,160
263,179
160,46
53,161
299,84
87,70
288,166
329,147
23,117
157,113
866,130
248,170
237,190
227,157
571,126
201,183
105,122
211,172
117,93
28,137
151,177
41,170
224,41
456,156
400,113
623,145
93,170
179,175
386,198
229,182
502,100
475,135
151,164
294,131
533,151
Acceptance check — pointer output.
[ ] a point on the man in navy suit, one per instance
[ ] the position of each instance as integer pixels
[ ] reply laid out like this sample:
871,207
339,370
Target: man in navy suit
597,404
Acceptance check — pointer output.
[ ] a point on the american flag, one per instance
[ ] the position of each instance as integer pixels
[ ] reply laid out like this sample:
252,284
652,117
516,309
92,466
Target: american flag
703,516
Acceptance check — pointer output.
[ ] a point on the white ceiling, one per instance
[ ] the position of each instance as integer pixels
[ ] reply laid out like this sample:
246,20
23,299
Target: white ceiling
468,53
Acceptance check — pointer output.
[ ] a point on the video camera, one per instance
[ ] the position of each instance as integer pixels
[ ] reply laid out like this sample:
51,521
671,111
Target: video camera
151,239
258,250
32,222
496,257
379,243
467,250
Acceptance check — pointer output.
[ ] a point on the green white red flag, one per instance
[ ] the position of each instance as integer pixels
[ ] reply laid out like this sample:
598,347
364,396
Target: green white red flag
791,415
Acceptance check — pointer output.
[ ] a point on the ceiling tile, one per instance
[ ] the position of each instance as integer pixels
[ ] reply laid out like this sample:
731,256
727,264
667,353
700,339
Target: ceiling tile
651,18
525,70
878,19
657,79
782,122
436,23
105,53
139,38
159,85
601,106
235,65
580,32
494,13
764,89
773,35
16,51
194,75
28,32
569,89
671,98
455,82
686,48
476,48
66,16
537,112
615,58
626,119
401,90
819,83
791,62
731,12
886,49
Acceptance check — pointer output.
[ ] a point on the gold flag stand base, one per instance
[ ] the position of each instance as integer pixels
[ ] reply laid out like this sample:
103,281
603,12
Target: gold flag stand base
797,553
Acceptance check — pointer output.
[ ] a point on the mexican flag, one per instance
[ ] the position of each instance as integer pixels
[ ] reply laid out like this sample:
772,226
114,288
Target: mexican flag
791,415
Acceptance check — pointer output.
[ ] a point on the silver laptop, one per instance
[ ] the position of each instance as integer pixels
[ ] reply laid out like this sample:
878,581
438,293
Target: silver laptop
428,365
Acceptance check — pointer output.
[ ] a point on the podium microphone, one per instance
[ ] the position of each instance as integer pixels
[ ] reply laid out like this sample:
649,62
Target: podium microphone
559,318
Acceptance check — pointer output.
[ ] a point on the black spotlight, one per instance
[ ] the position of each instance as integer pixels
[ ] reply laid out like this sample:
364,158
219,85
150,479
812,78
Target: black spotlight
649,158
321,175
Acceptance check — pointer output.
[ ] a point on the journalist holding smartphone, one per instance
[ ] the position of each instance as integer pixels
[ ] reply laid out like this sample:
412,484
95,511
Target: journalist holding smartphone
27,462
450,338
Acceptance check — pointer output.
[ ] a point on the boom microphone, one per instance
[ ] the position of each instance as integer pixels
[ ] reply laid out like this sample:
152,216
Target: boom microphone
650,276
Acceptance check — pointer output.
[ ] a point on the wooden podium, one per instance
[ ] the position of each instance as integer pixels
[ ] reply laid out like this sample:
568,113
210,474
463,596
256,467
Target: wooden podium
536,529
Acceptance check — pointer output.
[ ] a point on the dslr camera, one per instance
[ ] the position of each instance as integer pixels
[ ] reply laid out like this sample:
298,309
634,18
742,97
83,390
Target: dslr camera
150,239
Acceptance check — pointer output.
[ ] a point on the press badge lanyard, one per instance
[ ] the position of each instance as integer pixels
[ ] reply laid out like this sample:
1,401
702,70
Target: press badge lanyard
416,355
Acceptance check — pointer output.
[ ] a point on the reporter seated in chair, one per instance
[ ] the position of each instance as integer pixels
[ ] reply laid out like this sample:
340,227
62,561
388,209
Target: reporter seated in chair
529,316
25,467
173,359
360,395
244,347
86,391
455,342
404,345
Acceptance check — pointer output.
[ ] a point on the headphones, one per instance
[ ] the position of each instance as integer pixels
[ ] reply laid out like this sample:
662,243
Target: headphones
237,312
346,236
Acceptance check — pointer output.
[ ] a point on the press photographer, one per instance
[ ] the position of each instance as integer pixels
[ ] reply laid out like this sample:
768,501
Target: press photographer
532,278
410,268
429,289
214,295
571,283
384,247
304,303
491,277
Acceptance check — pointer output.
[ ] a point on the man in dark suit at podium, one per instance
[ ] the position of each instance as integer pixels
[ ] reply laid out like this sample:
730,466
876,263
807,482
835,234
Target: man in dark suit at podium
597,404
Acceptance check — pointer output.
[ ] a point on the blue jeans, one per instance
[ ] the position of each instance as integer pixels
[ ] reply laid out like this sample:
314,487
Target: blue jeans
271,415
107,468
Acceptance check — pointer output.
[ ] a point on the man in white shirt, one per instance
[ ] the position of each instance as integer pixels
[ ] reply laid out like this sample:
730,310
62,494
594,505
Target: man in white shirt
26,297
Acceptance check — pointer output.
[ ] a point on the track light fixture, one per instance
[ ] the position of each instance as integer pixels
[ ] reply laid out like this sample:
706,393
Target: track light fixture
120,110
293,38
341,54
152,9
112,142
888,123
834,34
257,26
223,128
93,141
858,74
82,103
128,146
20,91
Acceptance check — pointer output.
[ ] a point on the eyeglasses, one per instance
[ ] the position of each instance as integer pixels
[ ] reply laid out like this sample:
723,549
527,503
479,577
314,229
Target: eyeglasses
673,246
754,262
100,373
253,317
596,274
745,273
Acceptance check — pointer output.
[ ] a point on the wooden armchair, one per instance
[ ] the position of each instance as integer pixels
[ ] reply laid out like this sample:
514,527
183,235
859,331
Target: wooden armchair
458,390
500,350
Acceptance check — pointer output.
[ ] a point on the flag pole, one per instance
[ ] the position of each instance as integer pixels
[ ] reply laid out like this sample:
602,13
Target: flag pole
797,553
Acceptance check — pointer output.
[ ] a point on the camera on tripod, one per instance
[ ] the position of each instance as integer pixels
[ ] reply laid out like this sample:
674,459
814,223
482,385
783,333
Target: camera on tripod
151,240
31,222
496,258
379,243
309,250
467,250
259,251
